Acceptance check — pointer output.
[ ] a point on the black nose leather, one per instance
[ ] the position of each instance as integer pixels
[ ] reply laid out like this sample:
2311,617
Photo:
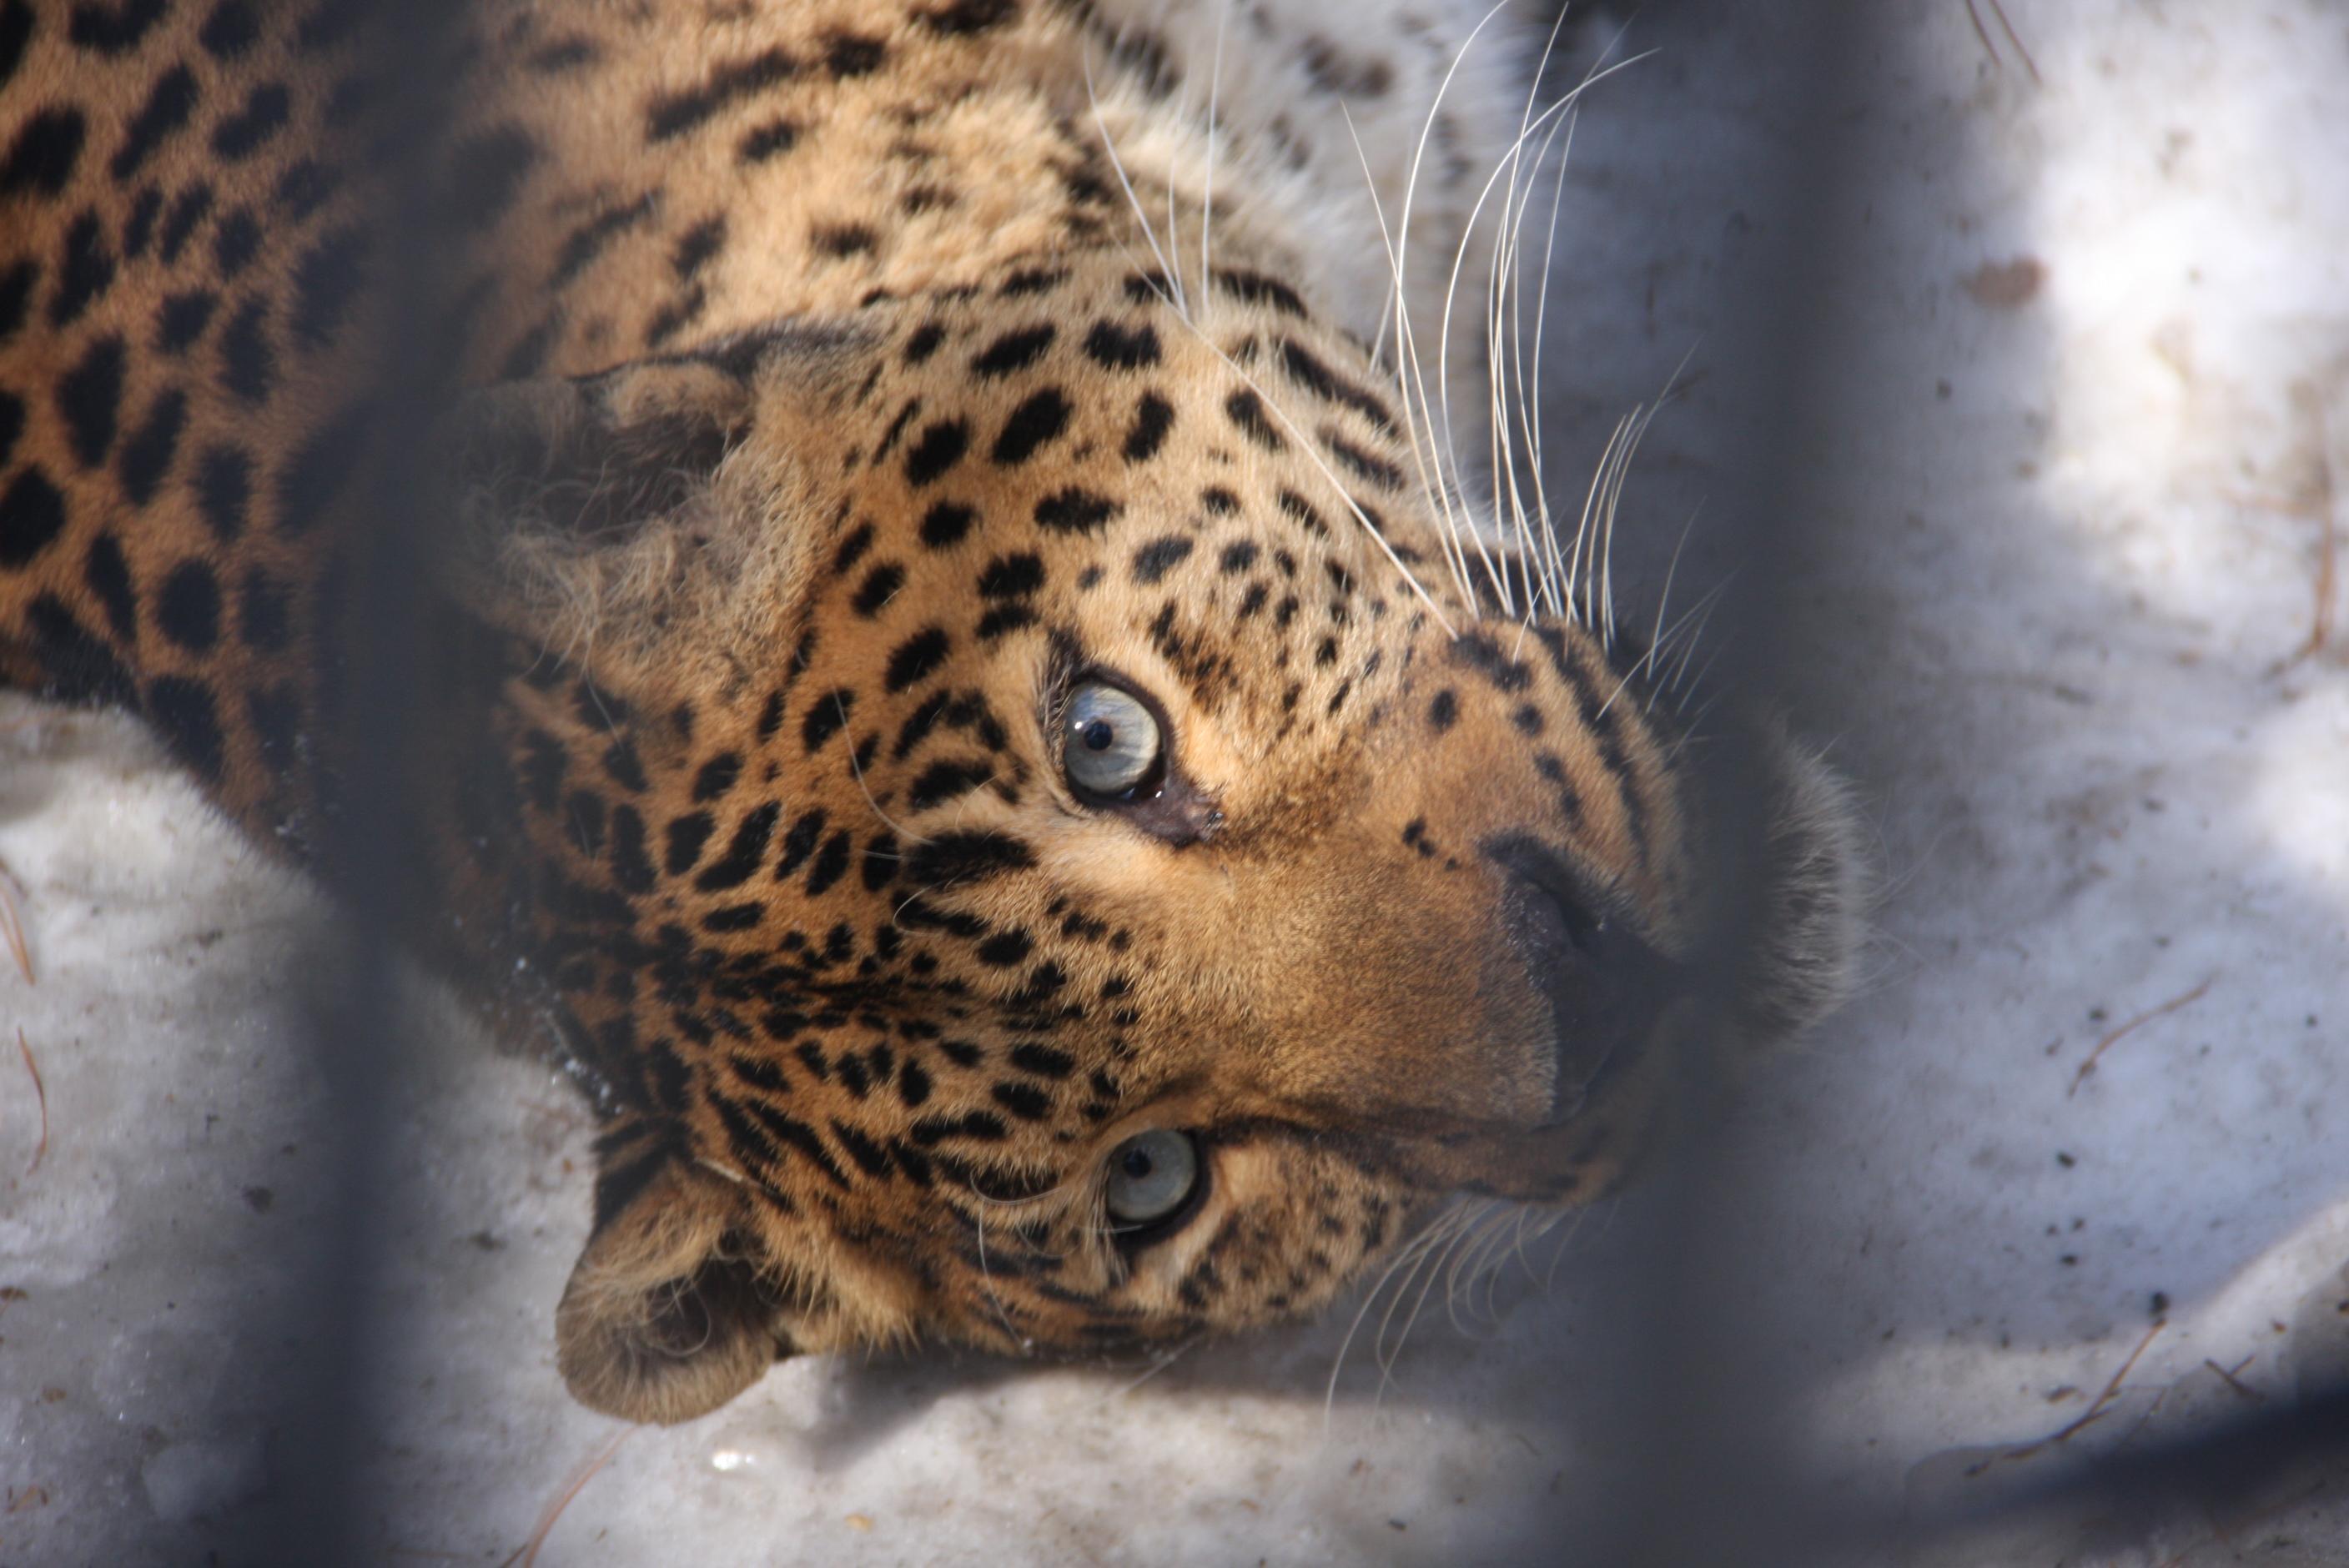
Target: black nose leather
1604,983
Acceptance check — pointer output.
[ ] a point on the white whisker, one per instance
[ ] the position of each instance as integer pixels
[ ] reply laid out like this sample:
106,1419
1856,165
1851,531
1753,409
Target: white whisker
1215,98
1414,1248
1109,145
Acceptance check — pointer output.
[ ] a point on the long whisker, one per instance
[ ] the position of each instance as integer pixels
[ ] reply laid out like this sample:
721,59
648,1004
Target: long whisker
1431,486
1507,166
1529,434
856,768
1391,1356
1410,1249
1403,265
1511,166
1214,93
1109,145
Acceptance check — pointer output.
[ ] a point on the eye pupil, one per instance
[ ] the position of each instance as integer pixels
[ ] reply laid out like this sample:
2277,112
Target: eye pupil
1112,750
1152,1175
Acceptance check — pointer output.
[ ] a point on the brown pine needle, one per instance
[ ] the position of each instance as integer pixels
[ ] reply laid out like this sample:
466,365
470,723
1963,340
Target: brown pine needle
2227,1374
12,926
2094,1413
2089,1066
40,1150
526,1554
2015,38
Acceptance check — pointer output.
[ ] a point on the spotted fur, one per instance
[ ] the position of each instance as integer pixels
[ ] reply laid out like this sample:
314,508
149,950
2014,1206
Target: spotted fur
848,382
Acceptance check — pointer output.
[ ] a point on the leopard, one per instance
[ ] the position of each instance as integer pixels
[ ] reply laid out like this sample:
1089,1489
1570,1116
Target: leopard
957,660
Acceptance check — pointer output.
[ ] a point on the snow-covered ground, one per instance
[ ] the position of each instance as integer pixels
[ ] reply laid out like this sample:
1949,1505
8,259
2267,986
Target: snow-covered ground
2057,586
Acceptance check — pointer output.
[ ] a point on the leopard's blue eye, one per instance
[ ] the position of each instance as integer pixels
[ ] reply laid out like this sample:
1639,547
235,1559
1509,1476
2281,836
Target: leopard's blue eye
1113,749
1150,1175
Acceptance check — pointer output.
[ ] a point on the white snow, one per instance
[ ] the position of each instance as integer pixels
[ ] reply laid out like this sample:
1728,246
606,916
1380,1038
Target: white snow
2055,595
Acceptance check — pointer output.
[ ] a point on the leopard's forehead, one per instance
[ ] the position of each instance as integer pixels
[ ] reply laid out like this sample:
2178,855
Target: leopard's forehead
1197,493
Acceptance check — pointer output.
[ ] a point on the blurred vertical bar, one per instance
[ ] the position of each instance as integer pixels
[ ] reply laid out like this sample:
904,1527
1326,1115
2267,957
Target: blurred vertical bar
1703,1469
333,1391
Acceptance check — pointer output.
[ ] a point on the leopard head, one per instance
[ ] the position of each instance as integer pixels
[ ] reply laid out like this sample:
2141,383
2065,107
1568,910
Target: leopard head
1033,848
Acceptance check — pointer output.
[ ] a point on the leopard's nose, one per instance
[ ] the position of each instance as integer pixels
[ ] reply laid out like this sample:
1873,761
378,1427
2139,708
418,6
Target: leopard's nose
1605,986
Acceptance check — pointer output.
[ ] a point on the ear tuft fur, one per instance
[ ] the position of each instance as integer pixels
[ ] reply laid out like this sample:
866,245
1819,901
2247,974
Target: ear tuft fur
665,1319
1801,963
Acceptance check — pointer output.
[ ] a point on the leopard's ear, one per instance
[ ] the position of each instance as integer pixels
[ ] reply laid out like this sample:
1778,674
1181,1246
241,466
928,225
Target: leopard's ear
662,513
666,1315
